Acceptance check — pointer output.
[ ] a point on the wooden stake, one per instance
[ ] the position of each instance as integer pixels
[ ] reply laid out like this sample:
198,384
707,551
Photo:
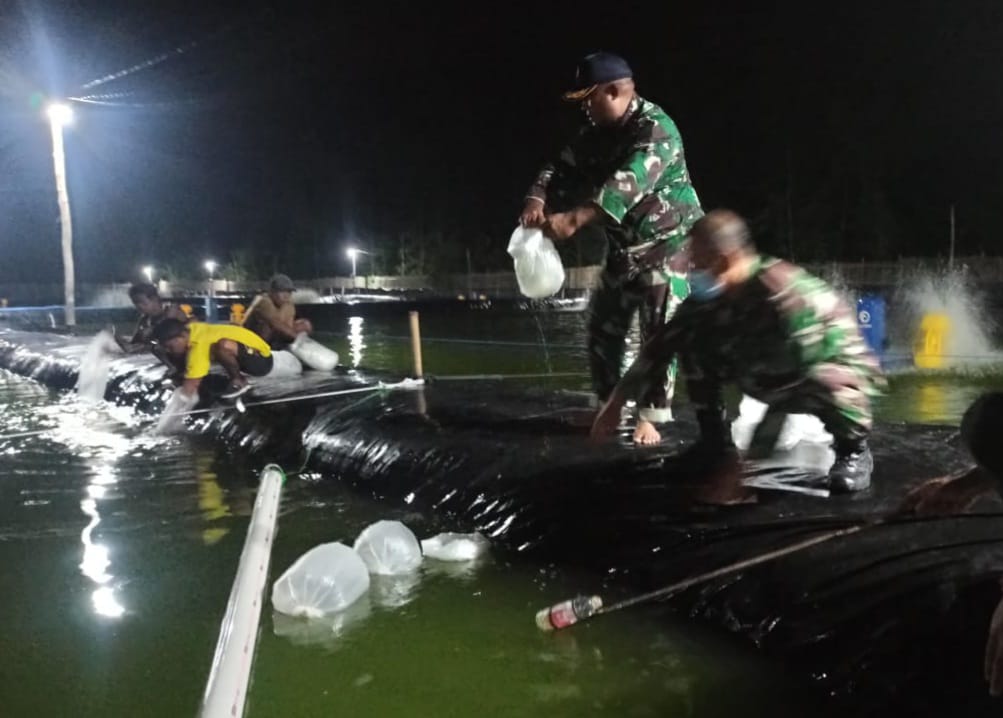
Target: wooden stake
416,344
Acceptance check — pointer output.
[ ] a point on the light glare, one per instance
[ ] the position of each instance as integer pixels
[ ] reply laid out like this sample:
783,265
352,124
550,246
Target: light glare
59,113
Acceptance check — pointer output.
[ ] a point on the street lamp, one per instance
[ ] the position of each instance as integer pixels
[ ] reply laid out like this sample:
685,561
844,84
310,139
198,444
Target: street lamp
210,266
352,253
148,271
61,115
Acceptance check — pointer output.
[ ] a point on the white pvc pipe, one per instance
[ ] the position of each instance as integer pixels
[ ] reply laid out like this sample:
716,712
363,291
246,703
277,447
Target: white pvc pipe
226,690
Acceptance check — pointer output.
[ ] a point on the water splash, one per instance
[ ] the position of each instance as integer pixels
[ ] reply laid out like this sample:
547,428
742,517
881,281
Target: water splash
953,293
95,366
543,342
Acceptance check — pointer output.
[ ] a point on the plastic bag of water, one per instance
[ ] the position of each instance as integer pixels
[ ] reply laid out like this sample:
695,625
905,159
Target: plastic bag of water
455,547
389,548
172,420
284,364
326,579
797,428
314,354
538,266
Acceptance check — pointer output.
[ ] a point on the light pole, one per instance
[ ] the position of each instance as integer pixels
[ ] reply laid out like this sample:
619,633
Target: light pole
210,305
352,253
148,271
61,115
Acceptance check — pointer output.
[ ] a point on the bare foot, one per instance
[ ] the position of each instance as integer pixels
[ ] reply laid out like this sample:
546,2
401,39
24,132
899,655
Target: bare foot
646,434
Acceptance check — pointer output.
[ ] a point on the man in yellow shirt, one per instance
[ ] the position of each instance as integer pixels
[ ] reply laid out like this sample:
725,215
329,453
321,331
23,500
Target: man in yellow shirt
272,316
198,345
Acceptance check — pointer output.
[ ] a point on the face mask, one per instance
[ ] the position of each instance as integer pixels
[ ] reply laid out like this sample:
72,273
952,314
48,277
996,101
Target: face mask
704,286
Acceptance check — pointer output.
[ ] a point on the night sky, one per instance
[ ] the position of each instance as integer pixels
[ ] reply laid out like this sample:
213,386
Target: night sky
843,130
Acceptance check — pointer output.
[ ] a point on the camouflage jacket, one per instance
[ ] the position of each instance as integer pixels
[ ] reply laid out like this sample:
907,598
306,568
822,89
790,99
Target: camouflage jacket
781,327
636,172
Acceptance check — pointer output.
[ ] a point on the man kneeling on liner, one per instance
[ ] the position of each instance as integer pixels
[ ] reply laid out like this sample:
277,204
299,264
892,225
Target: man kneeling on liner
198,345
784,336
272,315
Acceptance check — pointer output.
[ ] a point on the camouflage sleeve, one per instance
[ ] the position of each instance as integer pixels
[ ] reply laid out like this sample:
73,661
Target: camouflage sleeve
655,151
538,190
566,158
819,322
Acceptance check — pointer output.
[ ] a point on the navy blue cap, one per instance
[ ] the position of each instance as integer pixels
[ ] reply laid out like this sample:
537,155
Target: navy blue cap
597,69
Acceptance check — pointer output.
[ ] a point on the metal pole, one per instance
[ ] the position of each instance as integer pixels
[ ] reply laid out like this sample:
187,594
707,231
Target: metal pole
65,222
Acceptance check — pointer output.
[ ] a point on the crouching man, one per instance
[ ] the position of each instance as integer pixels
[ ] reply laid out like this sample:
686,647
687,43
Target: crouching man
784,336
197,345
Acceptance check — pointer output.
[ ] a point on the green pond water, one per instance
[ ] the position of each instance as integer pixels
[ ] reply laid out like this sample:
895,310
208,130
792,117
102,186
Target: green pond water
118,553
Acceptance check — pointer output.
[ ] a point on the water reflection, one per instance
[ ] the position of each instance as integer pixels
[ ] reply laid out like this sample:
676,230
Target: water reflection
97,557
211,501
89,435
930,404
325,632
394,591
356,344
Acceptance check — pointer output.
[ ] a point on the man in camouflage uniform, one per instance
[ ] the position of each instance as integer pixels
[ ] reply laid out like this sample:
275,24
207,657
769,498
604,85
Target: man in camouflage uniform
626,171
784,336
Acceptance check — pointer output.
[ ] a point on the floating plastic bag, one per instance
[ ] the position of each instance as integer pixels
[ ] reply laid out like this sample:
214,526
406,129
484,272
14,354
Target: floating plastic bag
284,364
95,366
455,547
797,427
538,266
313,354
172,420
324,580
389,548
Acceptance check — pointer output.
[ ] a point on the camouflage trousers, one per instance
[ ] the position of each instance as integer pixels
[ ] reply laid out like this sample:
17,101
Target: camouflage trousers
839,395
653,296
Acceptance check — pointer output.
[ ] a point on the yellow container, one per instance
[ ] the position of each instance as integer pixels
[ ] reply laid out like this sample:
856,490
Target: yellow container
237,313
930,349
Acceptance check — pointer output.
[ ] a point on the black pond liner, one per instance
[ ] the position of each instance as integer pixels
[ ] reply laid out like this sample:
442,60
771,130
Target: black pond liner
892,618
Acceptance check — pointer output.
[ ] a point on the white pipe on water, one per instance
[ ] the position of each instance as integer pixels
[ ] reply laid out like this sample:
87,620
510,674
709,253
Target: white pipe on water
226,689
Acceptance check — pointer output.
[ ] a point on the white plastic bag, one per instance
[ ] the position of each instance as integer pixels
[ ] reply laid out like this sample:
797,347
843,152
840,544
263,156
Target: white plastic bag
326,579
797,427
92,377
389,548
538,266
284,364
455,547
313,354
172,420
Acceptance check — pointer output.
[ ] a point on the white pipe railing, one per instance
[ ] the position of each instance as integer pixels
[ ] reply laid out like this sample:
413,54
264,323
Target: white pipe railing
226,689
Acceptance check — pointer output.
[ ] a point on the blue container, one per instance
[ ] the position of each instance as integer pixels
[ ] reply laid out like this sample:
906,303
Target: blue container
871,320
